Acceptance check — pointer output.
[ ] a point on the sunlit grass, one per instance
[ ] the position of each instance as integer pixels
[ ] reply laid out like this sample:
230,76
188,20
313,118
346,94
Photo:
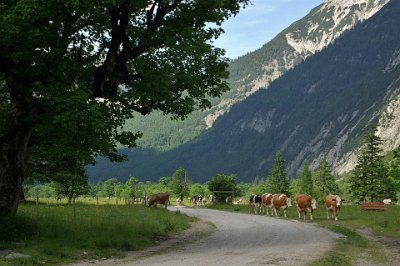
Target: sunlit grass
58,233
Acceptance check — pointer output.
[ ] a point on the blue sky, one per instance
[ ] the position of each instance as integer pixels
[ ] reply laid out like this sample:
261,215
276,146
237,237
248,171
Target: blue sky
260,22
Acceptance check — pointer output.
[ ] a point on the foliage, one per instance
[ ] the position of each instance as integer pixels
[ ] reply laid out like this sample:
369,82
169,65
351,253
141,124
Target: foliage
278,181
223,186
324,181
305,181
74,70
180,183
197,189
369,180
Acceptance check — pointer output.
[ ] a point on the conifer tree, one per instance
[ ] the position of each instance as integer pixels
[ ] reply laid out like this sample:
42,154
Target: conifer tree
370,178
278,181
305,181
324,181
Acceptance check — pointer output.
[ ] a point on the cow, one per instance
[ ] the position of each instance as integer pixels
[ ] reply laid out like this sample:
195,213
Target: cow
178,202
213,199
333,204
266,203
159,198
281,202
255,201
387,201
305,203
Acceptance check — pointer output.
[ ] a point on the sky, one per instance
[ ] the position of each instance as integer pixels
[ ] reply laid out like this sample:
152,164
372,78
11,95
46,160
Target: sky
259,22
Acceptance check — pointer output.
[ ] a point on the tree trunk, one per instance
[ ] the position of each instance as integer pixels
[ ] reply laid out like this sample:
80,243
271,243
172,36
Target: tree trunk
13,150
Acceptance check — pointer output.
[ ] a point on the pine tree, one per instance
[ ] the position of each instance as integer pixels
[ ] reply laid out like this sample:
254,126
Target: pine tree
278,181
305,181
324,181
370,178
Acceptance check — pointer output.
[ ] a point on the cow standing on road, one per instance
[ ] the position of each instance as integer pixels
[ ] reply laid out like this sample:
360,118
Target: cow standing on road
281,202
255,201
333,204
266,200
159,198
305,203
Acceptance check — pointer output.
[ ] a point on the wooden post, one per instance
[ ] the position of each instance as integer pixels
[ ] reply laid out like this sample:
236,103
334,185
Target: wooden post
37,202
116,199
133,201
73,205
97,206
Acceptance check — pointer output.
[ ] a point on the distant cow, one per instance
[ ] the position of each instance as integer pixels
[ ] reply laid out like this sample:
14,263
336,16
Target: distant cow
333,204
281,202
255,201
213,199
387,201
159,198
266,203
305,203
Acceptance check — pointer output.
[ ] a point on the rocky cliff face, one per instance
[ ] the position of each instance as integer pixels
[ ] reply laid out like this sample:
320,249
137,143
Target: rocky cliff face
305,37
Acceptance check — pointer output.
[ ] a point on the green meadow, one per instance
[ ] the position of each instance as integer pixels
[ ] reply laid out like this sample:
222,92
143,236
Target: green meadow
57,233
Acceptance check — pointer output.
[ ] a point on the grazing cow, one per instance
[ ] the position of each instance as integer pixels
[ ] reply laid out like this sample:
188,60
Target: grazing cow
266,203
387,201
281,202
159,198
333,204
305,203
255,201
213,199
178,202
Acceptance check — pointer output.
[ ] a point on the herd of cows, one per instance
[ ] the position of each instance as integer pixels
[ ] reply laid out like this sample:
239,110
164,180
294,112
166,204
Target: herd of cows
270,204
305,203
267,203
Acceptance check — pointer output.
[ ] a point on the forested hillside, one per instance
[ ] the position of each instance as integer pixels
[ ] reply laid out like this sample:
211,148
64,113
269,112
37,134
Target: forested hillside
319,109
257,69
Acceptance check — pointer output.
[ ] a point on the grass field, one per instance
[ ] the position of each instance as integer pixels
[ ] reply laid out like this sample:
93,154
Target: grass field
54,234
352,247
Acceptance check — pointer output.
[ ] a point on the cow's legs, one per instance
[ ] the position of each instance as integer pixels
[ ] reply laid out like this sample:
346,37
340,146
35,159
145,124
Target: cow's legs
299,213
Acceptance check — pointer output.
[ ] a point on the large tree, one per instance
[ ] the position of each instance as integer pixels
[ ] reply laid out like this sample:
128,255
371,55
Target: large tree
62,61
278,181
369,180
324,181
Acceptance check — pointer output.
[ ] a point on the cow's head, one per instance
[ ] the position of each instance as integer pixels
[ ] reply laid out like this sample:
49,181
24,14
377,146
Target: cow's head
313,204
338,201
289,202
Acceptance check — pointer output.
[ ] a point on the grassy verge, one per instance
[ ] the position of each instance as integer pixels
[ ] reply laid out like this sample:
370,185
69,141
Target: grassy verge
54,234
353,248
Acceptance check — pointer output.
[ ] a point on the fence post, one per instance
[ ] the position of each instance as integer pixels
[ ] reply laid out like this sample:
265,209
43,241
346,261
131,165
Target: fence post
97,205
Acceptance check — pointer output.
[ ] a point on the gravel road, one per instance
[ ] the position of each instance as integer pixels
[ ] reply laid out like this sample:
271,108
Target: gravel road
239,239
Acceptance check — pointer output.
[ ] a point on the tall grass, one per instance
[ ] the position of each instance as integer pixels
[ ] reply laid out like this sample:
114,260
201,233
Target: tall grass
59,233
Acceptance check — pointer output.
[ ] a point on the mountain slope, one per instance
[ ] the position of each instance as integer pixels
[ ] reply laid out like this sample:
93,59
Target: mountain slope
258,69
319,109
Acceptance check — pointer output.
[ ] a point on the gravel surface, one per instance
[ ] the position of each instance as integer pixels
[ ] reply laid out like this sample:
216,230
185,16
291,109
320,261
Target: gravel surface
237,239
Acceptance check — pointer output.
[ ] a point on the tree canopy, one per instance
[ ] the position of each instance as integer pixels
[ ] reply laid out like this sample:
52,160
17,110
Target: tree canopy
72,72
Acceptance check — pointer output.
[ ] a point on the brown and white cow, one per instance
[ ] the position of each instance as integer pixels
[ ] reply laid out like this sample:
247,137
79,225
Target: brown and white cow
333,204
281,202
159,198
266,203
305,203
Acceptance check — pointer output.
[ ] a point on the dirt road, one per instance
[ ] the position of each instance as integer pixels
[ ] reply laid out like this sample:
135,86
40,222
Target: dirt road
240,239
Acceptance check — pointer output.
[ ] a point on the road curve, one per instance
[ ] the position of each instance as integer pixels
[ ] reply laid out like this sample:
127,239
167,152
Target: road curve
242,239
238,239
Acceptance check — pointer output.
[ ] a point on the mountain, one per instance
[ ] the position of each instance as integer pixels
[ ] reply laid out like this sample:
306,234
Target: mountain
258,69
319,109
